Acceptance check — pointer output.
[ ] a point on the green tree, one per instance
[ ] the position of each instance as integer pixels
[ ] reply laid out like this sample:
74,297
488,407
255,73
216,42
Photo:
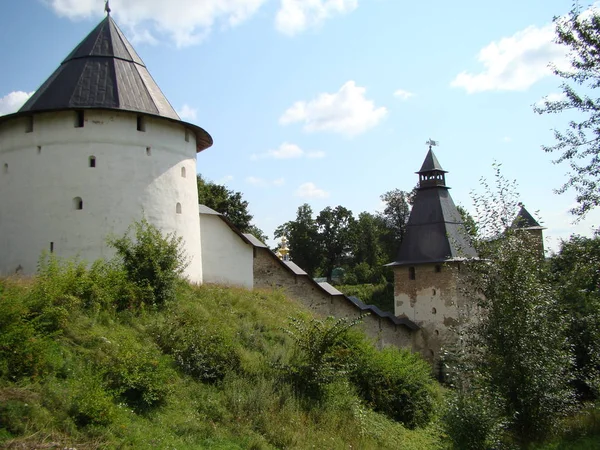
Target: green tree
337,233
303,239
469,222
227,202
516,352
576,275
579,144
395,217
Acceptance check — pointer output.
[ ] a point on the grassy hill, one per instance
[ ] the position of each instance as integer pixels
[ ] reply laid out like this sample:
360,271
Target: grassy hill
83,366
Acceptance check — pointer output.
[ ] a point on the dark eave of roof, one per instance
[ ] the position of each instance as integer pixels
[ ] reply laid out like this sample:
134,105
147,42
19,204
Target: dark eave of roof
105,72
431,163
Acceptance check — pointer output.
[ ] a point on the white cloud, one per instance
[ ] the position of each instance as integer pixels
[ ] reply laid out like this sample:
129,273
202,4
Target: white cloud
187,112
295,16
346,111
186,22
288,151
515,63
553,97
310,190
506,139
261,182
403,95
11,102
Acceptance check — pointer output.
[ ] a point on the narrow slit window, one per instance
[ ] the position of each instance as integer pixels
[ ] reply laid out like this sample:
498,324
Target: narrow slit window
5,168
148,151
187,135
433,311
92,161
141,123
39,149
178,208
183,172
51,247
438,268
78,203
411,273
79,118
29,125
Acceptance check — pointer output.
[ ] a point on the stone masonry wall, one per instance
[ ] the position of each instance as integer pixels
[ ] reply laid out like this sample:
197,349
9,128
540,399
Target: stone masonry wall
270,273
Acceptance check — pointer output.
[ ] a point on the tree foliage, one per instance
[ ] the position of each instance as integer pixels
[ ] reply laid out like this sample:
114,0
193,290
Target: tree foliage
337,233
227,202
395,218
579,144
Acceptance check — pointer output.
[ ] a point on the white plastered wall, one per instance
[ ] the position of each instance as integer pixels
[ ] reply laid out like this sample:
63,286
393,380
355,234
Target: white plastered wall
137,173
226,258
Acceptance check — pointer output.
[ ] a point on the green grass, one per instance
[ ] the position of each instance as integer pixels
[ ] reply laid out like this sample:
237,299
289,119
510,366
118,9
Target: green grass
201,372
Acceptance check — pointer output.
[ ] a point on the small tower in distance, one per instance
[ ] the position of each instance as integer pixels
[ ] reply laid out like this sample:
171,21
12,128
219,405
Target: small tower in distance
525,222
427,270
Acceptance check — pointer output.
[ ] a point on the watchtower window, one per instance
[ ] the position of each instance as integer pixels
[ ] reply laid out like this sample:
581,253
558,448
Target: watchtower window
39,149
433,311
183,172
79,119
92,161
148,151
178,208
51,247
29,124
5,169
77,203
411,273
438,268
141,123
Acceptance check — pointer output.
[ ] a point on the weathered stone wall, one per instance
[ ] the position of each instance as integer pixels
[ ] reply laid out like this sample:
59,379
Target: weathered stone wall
270,273
433,300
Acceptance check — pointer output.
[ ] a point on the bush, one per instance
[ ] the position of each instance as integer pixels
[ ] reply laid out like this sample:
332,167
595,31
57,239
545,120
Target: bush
397,383
152,262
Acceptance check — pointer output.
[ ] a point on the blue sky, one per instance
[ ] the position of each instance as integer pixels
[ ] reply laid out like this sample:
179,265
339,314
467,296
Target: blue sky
330,102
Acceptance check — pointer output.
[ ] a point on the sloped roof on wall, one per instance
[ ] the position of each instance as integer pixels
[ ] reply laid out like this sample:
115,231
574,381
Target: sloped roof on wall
525,221
105,72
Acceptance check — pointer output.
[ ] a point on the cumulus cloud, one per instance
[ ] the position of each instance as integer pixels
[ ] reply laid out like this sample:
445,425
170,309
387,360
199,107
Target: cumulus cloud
403,95
261,182
295,16
186,22
288,151
515,63
187,112
310,190
11,102
347,112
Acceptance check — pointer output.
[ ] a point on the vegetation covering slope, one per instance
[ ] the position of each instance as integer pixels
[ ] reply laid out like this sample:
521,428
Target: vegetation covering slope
85,363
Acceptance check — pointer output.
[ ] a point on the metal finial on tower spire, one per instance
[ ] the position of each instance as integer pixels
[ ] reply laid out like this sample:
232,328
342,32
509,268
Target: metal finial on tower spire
107,8
432,143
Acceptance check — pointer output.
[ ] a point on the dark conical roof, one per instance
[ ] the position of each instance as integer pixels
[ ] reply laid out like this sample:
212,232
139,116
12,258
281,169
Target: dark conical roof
431,163
105,72
525,220
435,231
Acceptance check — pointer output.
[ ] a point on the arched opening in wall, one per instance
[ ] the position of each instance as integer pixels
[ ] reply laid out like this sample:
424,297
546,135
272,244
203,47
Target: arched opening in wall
77,203
79,119
141,123
92,161
437,332
411,273
5,168
183,172
438,268
433,311
148,151
433,292
178,208
187,135
29,124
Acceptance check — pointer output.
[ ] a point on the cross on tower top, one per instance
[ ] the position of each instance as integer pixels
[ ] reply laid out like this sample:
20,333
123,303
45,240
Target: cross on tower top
432,143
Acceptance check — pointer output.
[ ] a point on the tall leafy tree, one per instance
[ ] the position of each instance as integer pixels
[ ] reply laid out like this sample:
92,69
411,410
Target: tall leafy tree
337,232
303,239
579,144
395,217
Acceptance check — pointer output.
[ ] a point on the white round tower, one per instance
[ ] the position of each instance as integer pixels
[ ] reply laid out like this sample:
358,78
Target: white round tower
97,147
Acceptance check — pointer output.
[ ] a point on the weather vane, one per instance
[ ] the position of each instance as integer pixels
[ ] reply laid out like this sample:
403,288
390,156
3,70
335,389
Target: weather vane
107,7
432,143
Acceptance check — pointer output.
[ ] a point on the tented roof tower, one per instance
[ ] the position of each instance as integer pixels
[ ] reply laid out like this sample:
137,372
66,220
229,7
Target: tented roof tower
435,231
105,72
